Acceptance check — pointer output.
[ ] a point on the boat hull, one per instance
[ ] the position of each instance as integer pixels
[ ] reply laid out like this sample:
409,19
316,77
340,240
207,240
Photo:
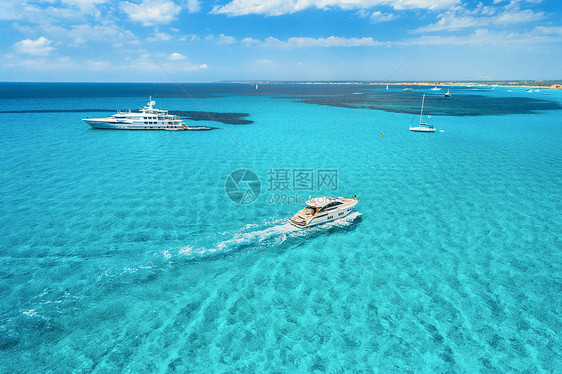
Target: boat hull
422,129
110,125
327,217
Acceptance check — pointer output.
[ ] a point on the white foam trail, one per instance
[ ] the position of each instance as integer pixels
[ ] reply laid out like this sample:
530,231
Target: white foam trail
269,236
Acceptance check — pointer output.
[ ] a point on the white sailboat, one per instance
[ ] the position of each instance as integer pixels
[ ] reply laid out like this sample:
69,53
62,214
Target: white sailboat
422,127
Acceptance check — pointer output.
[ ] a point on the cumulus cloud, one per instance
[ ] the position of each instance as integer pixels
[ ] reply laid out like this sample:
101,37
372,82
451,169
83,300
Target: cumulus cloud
151,12
39,47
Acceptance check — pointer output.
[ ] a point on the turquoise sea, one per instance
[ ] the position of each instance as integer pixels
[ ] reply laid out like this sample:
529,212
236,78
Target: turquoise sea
121,251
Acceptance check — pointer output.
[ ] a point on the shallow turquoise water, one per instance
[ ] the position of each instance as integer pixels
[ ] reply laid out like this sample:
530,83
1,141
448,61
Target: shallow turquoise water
120,251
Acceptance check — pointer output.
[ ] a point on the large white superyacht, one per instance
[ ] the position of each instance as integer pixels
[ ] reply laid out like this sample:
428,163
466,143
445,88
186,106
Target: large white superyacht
147,118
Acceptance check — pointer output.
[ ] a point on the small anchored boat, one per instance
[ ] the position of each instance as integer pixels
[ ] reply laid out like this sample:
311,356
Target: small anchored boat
422,127
323,209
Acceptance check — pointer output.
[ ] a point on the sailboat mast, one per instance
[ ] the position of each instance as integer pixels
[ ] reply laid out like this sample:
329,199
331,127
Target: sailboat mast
421,113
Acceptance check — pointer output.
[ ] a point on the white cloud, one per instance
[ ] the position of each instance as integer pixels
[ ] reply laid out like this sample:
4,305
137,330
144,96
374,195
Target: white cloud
482,16
48,11
221,39
151,12
251,41
307,42
39,47
422,4
280,7
378,16
177,56
486,37
548,30
109,33
159,37
85,6
265,61
478,37
188,37
193,6
11,10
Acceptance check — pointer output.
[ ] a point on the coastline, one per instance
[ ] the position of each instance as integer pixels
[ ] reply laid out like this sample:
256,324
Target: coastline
555,85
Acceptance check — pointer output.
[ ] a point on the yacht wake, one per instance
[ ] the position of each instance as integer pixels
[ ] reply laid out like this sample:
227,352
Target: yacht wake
265,235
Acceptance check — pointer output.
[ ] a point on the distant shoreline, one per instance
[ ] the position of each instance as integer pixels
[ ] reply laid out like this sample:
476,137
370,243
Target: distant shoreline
544,84
557,85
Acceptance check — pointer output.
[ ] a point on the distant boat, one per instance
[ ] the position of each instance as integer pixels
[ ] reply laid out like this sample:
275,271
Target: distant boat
422,127
448,94
436,88
545,93
387,86
529,91
256,86
407,89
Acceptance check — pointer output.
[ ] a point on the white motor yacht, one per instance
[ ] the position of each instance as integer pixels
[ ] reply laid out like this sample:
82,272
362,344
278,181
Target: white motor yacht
148,118
323,209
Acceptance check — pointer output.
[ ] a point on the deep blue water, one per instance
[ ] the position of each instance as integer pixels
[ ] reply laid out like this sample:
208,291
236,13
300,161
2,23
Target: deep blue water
121,250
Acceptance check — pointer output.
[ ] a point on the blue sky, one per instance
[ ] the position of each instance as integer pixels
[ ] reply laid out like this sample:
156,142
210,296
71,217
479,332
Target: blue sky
204,41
